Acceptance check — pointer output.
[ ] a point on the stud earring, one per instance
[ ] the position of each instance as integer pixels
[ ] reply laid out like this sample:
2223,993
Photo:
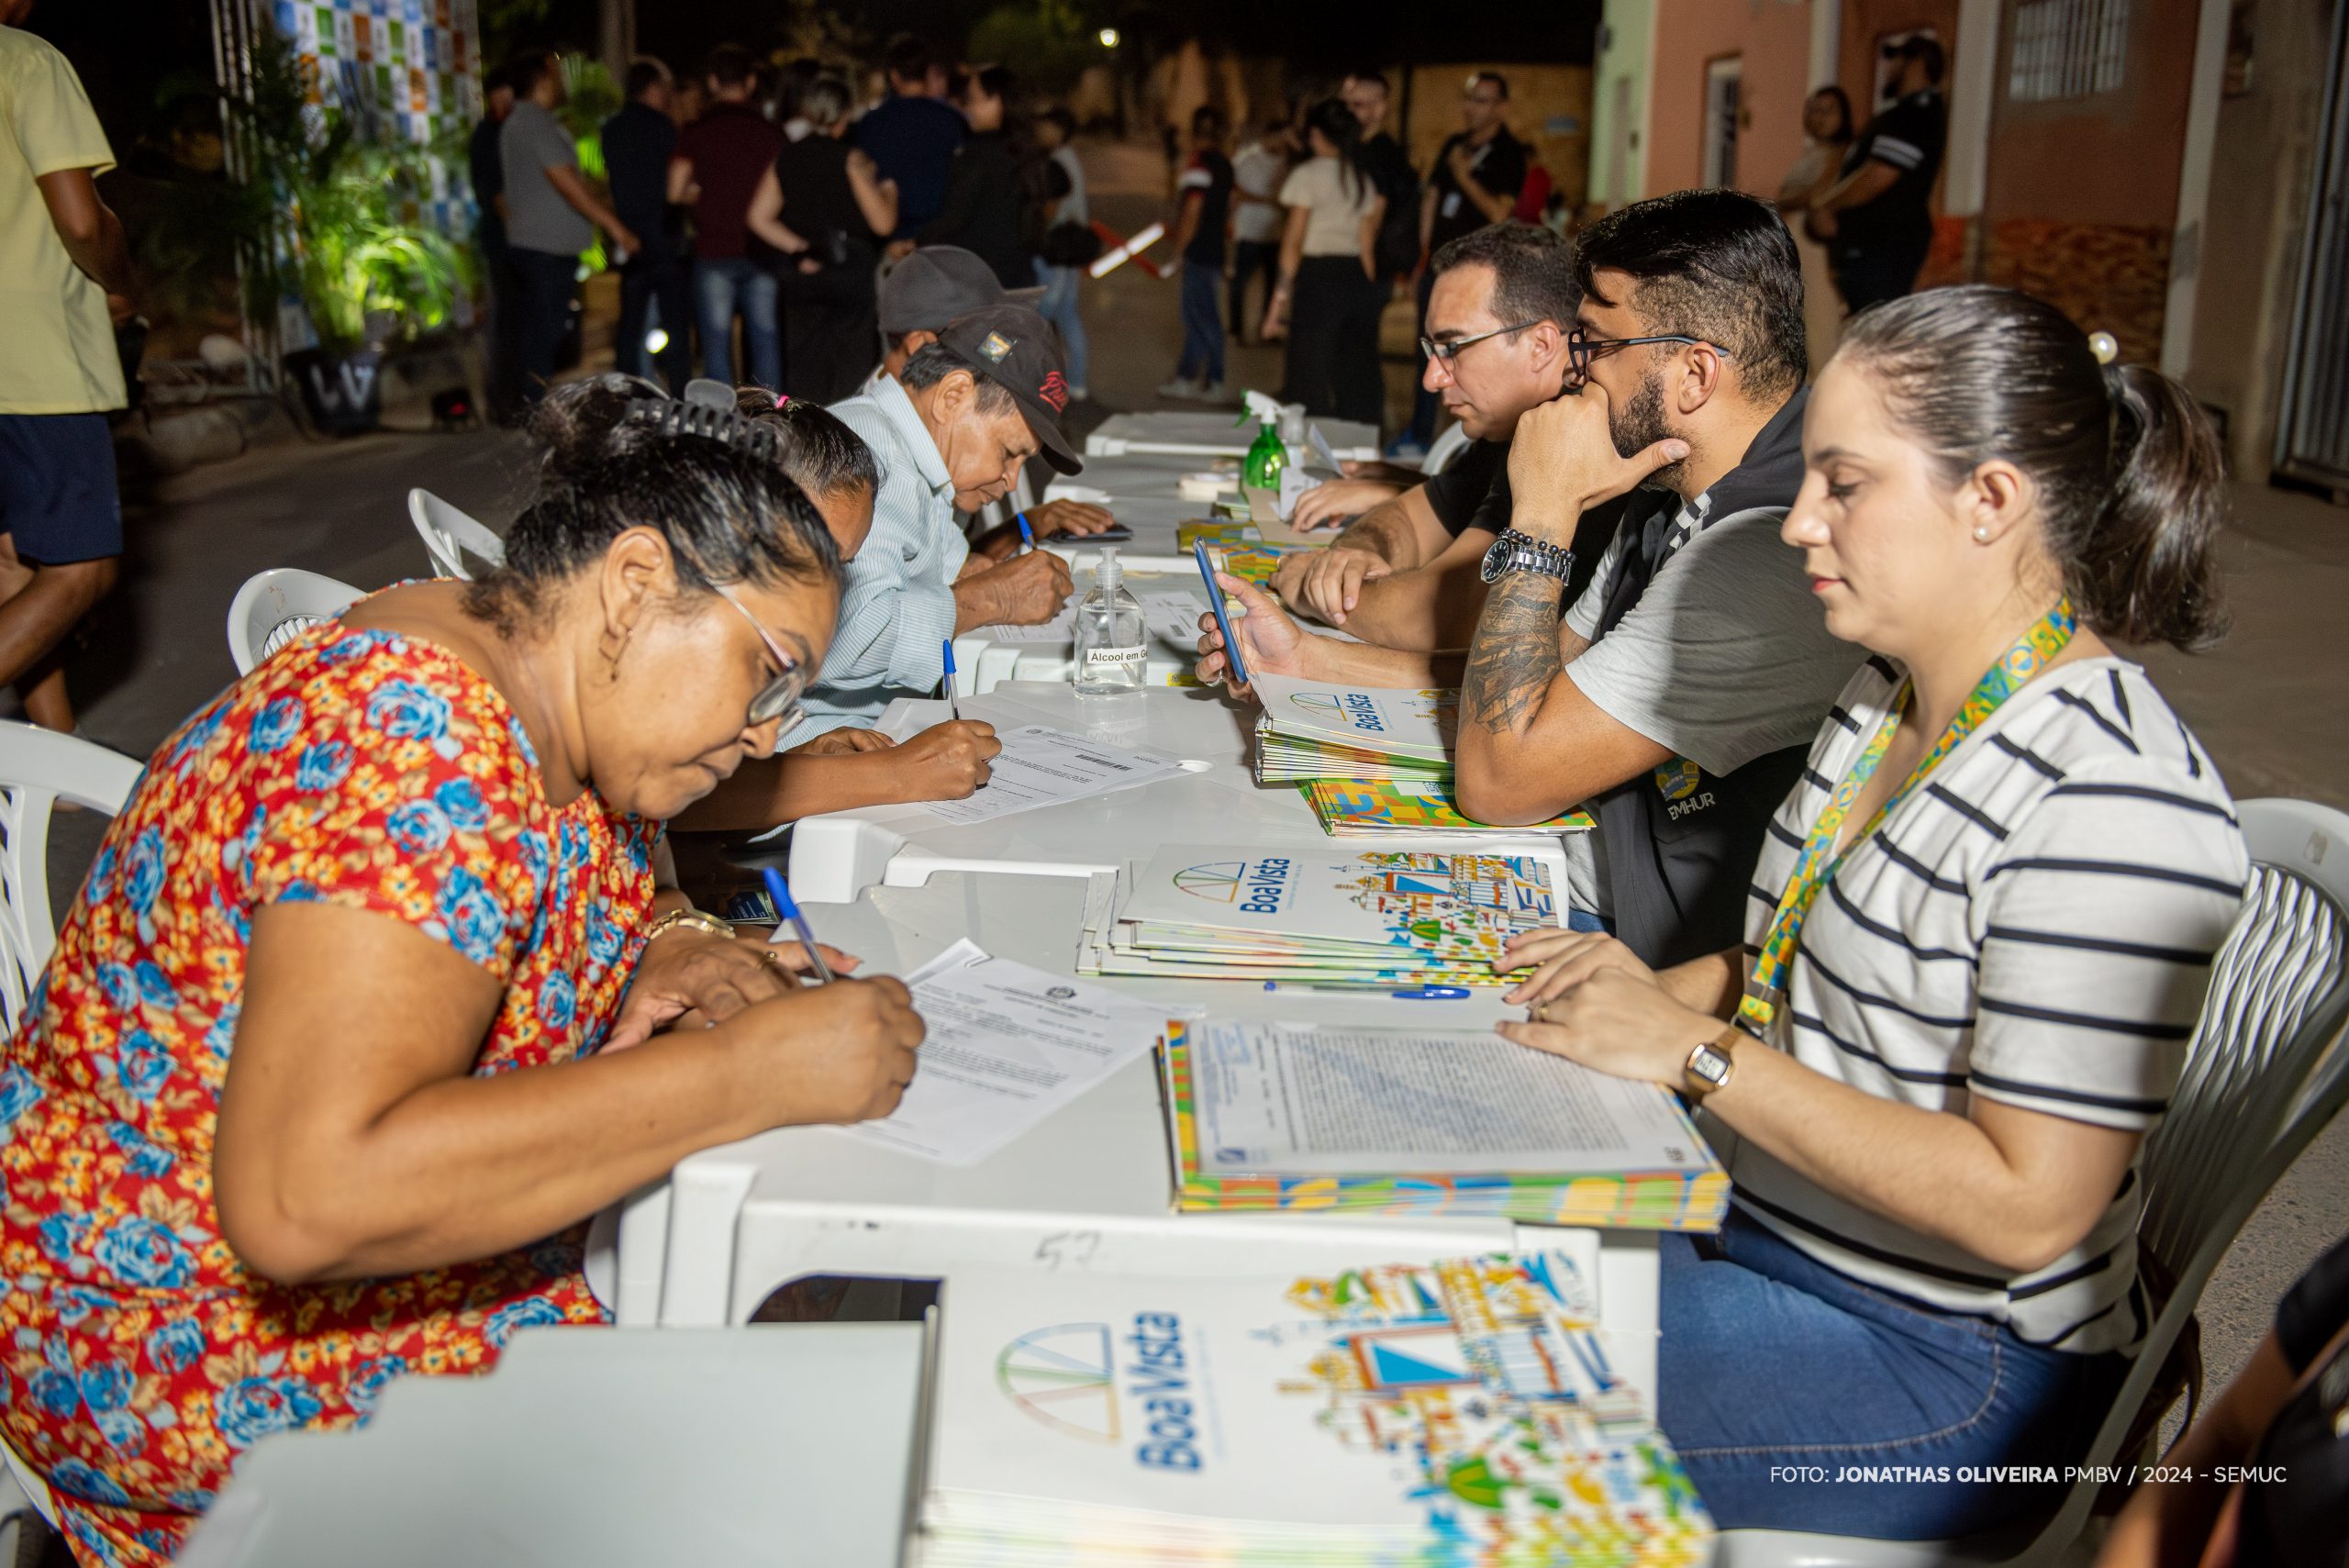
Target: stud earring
1981,535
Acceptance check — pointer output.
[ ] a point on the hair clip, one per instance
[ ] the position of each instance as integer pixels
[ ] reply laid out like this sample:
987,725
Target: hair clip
678,418
2105,347
780,398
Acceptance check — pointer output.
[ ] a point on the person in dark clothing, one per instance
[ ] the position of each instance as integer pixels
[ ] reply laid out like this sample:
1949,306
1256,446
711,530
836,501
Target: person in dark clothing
824,207
1475,181
720,160
986,209
1329,299
550,216
637,143
911,138
1207,184
1389,167
488,170
1877,221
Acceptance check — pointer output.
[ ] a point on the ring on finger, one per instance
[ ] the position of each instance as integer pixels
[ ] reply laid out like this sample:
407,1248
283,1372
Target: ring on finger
1542,1012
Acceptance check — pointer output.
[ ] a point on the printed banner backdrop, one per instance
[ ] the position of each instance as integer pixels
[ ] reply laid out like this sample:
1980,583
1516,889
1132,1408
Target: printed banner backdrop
415,62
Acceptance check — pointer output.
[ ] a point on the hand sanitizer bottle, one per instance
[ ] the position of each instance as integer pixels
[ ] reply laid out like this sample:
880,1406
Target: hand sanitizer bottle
1111,646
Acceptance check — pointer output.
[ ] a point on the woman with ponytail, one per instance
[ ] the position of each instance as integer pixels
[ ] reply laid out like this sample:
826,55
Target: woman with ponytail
1330,294
1978,941
366,1002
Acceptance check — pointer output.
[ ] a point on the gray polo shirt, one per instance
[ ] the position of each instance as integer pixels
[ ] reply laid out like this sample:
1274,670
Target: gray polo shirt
530,142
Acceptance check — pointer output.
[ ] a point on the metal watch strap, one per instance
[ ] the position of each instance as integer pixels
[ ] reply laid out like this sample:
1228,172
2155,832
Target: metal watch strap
1527,553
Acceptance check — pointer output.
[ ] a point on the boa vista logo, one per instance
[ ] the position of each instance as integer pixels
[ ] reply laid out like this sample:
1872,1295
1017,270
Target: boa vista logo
1256,888
1054,391
1217,881
1068,1377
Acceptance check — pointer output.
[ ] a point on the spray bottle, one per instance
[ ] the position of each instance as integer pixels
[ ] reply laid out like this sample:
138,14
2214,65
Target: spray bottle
1266,455
1112,645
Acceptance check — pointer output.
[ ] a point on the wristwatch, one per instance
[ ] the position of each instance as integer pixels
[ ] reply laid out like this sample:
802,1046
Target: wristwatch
1515,551
1709,1066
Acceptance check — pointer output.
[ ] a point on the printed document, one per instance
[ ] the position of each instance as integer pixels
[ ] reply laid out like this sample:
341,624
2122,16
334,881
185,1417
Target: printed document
1061,628
1007,1046
1282,1099
1043,766
1173,614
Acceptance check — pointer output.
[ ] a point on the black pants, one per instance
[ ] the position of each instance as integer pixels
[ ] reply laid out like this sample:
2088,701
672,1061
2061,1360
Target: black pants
642,280
547,281
1872,276
1424,403
831,330
1250,257
1332,365
505,329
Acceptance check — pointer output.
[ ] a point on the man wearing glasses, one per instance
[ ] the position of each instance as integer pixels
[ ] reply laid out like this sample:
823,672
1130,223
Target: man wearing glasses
1405,572
1677,695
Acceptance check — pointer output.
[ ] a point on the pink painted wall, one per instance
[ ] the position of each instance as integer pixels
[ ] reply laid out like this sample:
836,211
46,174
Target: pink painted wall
1773,38
2111,159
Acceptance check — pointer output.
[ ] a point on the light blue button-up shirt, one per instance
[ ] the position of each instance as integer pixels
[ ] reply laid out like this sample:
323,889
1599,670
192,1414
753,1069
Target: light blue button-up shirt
898,609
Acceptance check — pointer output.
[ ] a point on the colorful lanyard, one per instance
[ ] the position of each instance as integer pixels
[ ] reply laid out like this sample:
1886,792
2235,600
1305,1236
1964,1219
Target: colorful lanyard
1818,862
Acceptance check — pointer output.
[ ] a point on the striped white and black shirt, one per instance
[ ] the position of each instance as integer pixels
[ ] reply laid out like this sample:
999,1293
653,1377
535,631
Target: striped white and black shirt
2035,924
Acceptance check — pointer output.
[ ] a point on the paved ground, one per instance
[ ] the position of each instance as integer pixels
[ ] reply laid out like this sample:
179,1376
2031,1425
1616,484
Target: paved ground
2260,702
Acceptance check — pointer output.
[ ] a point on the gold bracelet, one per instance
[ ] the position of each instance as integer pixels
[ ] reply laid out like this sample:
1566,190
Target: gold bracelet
689,916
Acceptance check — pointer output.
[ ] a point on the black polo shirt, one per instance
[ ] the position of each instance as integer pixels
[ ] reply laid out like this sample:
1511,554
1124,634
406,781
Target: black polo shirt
1498,166
1907,138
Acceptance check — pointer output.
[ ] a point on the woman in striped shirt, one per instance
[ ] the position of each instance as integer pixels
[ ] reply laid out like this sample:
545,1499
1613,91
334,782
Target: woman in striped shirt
1978,941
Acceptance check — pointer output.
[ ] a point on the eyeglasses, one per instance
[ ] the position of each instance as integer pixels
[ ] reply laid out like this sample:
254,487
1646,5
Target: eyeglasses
1582,348
1447,352
779,698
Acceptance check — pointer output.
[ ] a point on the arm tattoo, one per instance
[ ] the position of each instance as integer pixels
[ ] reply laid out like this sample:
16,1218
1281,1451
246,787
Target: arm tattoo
1515,656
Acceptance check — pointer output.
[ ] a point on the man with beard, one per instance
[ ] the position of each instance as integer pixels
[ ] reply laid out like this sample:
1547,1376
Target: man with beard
1677,695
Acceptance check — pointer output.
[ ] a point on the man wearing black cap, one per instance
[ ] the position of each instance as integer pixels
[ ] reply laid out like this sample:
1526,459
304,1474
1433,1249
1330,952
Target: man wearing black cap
950,431
919,296
1877,221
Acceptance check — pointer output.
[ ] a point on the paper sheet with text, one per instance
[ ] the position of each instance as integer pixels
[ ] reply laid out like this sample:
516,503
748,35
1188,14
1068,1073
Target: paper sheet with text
1007,1046
1043,766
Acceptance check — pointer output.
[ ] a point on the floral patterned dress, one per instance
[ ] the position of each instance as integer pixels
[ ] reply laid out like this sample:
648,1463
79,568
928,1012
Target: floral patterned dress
137,1358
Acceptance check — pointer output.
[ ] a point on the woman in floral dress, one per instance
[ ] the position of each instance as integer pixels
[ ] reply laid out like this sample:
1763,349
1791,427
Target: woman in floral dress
366,1002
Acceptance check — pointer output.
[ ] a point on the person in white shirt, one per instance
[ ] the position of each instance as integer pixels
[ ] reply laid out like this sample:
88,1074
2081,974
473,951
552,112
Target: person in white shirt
1978,942
1257,170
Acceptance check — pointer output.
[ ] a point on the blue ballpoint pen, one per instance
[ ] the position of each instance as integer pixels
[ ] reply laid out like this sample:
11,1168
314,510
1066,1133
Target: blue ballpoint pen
1027,535
1413,994
791,920
954,703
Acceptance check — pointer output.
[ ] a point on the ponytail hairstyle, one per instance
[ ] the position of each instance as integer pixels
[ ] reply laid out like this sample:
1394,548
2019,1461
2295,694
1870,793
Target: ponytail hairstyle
617,452
822,455
1337,123
2130,474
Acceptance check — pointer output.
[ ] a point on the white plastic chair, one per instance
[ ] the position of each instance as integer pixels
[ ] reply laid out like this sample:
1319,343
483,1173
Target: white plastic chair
2267,1070
38,768
278,606
450,535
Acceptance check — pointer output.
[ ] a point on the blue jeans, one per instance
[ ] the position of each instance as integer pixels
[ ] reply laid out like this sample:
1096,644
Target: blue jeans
1776,1372
1202,323
721,288
1059,307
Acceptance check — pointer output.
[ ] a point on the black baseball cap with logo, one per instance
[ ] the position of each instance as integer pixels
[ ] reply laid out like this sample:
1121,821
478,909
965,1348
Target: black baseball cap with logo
1010,345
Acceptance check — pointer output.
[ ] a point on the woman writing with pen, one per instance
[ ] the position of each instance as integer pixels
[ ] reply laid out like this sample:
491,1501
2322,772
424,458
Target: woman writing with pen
370,995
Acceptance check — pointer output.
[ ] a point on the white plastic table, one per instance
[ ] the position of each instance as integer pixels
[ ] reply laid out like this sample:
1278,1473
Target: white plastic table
1223,434
775,1443
983,662
1090,1187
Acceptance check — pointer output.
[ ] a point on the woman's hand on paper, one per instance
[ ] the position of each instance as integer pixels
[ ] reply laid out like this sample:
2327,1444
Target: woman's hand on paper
1562,960
842,742
947,762
830,1054
1619,1023
692,979
1270,640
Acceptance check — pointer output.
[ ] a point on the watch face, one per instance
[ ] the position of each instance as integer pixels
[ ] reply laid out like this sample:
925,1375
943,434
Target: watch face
1496,558
1710,1065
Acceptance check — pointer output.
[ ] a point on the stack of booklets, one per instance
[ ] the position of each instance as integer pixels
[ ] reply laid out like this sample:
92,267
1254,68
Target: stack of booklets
1372,761
1268,1114
1378,808
1461,1413
1239,548
1398,917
